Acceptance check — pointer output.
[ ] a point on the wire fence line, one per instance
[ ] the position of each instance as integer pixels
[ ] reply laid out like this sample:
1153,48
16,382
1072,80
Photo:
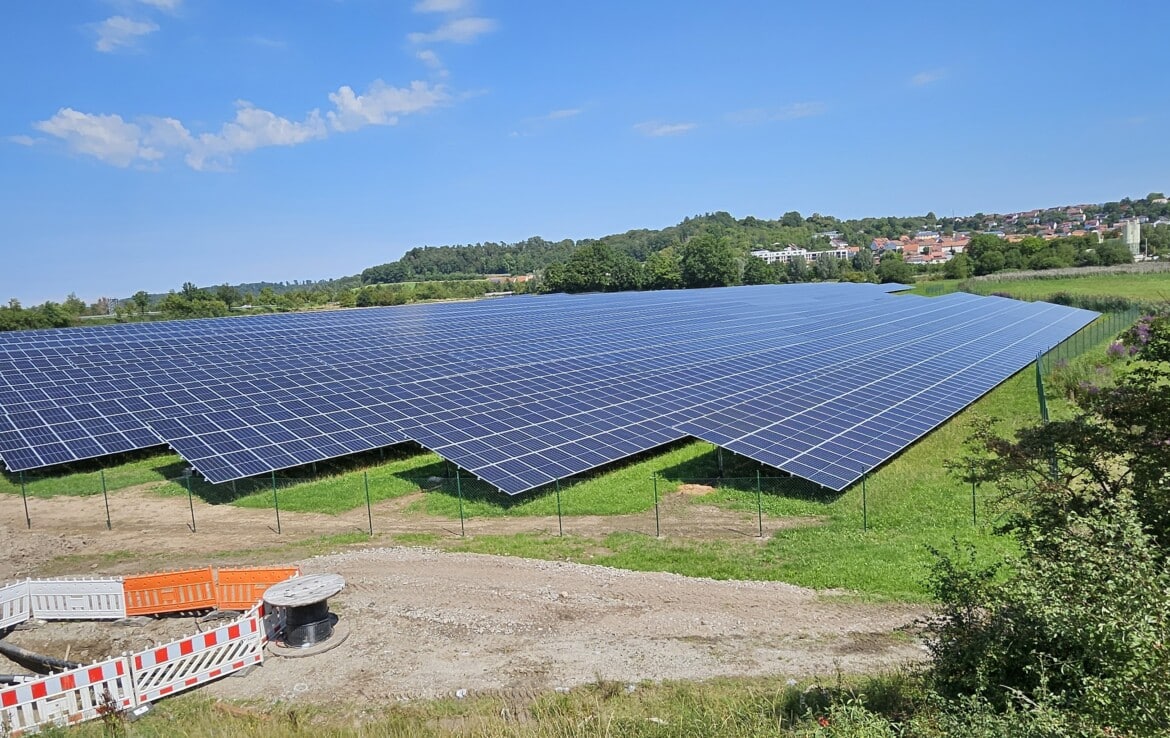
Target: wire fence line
1105,328
706,507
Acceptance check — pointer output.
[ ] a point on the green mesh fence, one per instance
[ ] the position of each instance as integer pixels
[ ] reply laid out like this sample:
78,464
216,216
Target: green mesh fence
1093,336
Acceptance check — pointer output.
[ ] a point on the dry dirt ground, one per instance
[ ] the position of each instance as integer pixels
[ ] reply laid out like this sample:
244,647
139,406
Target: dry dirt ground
425,623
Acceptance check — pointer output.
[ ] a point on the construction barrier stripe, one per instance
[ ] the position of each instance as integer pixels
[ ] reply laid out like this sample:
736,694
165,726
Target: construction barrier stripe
85,693
239,589
144,594
174,591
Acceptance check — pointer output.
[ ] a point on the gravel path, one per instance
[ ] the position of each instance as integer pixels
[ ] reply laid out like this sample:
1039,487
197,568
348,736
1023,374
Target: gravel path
424,623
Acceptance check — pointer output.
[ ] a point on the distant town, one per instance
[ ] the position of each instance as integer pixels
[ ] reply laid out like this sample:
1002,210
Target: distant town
709,250
937,247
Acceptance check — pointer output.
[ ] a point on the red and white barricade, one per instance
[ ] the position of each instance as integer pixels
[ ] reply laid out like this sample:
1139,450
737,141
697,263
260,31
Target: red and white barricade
66,698
198,659
130,682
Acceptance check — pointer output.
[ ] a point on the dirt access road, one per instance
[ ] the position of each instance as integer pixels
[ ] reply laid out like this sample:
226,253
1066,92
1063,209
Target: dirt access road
425,623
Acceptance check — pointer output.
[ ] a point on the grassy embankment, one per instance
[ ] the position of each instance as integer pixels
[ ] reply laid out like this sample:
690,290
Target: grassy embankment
728,708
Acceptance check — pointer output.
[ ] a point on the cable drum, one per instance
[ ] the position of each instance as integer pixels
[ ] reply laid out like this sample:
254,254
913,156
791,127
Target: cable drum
308,622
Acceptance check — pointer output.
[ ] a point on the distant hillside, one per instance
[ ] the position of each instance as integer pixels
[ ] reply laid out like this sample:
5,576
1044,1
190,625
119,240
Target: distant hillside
813,232
536,254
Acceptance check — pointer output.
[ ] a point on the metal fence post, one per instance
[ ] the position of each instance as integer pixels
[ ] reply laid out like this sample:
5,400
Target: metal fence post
459,491
974,521
191,503
106,498
864,505
276,503
369,510
24,498
1040,392
657,524
560,522
759,504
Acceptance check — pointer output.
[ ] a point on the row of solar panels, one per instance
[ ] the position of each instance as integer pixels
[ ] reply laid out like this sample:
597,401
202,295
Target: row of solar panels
824,381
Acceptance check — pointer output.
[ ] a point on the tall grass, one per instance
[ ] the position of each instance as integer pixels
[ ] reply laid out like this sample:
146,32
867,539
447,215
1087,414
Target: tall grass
1143,288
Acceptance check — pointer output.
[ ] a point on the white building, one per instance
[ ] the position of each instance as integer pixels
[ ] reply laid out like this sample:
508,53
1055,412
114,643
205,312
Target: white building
1132,233
783,256
790,252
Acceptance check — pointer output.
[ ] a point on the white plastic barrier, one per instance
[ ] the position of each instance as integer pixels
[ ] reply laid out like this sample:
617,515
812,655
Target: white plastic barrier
274,620
200,658
66,698
77,599
14,605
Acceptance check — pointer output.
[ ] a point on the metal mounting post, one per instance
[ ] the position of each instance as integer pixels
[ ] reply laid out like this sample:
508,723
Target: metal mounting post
24,498
657,524
106,498
560,522
864,505
759,504
191,503
369,510
276,503
459,491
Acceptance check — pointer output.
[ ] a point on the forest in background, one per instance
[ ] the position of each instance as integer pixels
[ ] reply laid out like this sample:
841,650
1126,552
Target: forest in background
701,251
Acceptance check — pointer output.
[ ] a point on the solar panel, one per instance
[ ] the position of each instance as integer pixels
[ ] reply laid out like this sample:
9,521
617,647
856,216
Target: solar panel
524,391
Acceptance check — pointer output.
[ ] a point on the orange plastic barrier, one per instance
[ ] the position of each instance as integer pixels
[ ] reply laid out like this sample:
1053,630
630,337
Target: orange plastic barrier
172,591
240,589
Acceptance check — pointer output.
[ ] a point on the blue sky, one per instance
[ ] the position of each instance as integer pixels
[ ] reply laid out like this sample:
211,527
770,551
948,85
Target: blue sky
145,143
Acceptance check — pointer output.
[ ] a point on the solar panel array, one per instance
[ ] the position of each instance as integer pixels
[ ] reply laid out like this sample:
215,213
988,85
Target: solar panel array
824,381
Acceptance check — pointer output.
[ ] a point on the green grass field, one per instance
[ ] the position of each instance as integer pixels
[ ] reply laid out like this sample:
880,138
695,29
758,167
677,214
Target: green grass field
1153,287
728,708
86,478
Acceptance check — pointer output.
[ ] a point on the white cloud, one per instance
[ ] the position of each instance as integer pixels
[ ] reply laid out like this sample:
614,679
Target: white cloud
149,139
433,62
381,105
800,110
166,133
119,31
253,128
459,31
430,58
651,128
928,77
106,137
441,6
266,42
564,113
167,5
793,111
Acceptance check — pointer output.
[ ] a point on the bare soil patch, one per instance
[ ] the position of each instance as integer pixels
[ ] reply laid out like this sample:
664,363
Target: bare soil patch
424,623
